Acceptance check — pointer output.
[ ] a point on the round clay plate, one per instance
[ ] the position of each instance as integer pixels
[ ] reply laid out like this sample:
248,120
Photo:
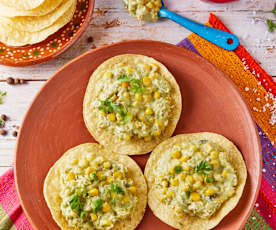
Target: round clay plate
54,123
54,45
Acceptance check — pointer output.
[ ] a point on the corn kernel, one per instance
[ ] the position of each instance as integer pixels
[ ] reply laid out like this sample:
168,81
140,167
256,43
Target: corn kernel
149,111
84,163
132,189
127,137
102,113
93,217
230,193
147,98
109,74
74,161
94,192
90,156
165,190
157,133
186,168
89,170
194,148
198,177
209,192
117,175
195,196
70,176
106,223
146,81
175,182
154,66
106,207
148,138
214,154
147,67
224,173
184,158
154,76
125,84
138,97
109,179
141,117
99,174
170,194
126,95
111,117
172,170
160,124
177,154
129,70
107,165
114,97
156,95
183,176
197,185
157,4
126,199
214,162
165,183
150,5
185,188
74,183
190,179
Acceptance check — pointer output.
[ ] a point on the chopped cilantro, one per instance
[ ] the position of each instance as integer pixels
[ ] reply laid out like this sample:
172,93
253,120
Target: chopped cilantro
110,107
76,203
135,84
83,214
98,206
2,94
272,11
188,193
117,190
94,175
271,25
1,121
178,169
202,167
209,180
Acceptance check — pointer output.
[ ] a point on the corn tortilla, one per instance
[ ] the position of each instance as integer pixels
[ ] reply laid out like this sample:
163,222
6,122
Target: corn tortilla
51,188
106,138
35,23
46,7
165,212
22,5
12,37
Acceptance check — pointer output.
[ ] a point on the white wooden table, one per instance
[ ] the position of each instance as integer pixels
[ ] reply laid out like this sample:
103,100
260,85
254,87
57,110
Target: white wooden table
239,16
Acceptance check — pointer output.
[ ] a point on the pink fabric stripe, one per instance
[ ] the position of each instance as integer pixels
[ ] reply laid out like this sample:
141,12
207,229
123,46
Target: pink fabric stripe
10,203
265,203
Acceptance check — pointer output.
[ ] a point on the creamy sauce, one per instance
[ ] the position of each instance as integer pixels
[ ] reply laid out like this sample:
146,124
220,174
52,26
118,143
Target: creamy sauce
143,10
195,178
134,101
96,193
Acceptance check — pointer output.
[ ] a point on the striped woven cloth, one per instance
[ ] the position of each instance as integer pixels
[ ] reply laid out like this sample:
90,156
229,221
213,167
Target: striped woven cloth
258,89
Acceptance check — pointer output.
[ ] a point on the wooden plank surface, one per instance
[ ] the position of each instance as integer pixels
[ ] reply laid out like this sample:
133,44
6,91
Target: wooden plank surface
245,18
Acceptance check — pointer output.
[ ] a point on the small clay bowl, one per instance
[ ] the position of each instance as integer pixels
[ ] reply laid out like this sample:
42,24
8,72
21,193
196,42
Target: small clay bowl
54,45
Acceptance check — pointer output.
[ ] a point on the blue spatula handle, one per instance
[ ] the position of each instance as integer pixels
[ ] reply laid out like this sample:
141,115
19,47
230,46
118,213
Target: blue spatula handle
222,39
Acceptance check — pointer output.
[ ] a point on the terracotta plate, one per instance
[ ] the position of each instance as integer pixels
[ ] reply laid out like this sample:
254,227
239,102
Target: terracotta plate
54,45
54,124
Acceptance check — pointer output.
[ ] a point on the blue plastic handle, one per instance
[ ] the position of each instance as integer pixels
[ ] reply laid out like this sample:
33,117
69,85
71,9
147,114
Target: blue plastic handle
221,38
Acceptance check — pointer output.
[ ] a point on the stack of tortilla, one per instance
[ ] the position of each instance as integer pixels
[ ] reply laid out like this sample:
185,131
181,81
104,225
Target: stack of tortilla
25,22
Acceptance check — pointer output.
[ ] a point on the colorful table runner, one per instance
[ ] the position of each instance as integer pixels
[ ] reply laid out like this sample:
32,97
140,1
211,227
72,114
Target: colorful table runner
258,89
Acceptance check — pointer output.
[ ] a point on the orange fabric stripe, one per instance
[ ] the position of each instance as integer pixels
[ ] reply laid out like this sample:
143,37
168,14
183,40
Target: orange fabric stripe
251,89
